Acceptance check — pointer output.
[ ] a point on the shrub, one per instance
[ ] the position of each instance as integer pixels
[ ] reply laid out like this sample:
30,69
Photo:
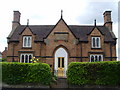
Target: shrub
17,73
40,72
94,73
3,60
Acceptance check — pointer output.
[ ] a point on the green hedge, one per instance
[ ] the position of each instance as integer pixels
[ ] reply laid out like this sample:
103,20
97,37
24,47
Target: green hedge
19,73
94,73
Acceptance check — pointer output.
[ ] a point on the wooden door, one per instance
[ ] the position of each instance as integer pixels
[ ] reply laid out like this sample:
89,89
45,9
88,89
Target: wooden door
60,66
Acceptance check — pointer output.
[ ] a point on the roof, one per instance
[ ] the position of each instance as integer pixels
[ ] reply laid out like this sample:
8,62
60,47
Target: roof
81,32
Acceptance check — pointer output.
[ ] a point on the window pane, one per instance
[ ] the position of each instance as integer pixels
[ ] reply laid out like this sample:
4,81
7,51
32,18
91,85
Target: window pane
62,62
25,41
58,62
99,58
29,41
97,42
96,59
26,58
30,57
93,42
22,58
92,58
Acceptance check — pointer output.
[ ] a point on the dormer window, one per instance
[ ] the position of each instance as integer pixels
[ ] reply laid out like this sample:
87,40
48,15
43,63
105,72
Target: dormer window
27,40
96,42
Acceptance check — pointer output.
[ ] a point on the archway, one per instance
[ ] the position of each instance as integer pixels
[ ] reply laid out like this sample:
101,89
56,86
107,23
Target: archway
60,62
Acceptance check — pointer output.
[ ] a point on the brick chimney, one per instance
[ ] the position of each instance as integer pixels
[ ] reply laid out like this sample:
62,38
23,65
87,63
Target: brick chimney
107,20
15,22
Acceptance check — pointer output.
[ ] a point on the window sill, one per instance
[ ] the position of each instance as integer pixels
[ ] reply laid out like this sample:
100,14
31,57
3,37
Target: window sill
26,47
96,48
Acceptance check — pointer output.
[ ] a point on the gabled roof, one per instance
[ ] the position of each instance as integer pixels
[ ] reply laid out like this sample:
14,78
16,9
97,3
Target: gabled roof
27,26
97,29
80,32
61,19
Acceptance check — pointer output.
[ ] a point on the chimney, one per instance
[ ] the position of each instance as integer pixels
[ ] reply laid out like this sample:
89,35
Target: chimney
5,48
107,20
15,22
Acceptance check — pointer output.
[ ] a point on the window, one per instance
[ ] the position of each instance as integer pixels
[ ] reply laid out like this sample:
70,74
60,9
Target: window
96,58
27,41
96,42
25,58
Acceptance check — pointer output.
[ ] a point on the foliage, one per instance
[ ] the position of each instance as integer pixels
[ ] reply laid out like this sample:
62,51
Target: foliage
3,60
17,73
94,73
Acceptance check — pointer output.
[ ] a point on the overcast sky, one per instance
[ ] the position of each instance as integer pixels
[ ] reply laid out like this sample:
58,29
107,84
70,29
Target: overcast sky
47,12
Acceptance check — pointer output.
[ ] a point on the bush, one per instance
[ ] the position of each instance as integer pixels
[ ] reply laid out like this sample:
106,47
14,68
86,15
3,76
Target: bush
94,73
17,73
3,60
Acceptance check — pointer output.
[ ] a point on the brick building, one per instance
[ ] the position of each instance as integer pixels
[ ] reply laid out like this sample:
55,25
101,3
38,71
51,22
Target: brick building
60,44
4,53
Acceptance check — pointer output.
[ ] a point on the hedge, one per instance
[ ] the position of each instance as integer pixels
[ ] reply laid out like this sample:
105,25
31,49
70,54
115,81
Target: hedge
94,73
19,73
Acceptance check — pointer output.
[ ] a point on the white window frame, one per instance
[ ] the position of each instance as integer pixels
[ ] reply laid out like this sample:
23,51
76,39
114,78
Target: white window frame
94,55
99,43
27,38
24,57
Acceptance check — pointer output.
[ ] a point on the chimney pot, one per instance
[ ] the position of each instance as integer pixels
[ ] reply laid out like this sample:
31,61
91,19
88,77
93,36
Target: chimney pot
5,48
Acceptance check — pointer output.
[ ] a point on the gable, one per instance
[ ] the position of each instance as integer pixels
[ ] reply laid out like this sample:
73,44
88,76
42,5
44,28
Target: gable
96,32
61,28
26,31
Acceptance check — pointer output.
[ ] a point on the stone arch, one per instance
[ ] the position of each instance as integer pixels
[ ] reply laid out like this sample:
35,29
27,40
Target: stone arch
60,51
60,46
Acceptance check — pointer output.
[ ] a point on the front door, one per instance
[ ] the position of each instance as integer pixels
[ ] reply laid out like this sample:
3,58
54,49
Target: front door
60,62
60,66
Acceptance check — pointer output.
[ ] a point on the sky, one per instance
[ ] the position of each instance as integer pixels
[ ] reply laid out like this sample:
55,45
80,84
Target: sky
47,12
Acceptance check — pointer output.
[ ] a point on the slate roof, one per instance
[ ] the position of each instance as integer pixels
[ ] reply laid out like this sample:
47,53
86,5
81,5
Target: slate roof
81,32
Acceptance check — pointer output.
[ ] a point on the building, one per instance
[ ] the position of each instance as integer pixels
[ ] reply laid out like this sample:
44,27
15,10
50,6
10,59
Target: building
4,54
60,44
0,56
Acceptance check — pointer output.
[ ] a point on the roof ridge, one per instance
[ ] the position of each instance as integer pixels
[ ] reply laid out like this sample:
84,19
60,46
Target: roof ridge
38,25
88,25
68,25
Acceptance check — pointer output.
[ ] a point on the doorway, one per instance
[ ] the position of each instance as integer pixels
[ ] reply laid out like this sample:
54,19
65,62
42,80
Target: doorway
61,62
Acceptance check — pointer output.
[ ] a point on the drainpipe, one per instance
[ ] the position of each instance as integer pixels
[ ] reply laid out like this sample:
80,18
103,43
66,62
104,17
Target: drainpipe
13,53
40,48
81,53
111,51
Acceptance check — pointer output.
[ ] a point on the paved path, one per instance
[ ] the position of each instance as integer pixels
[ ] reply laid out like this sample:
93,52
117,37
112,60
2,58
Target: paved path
61,83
